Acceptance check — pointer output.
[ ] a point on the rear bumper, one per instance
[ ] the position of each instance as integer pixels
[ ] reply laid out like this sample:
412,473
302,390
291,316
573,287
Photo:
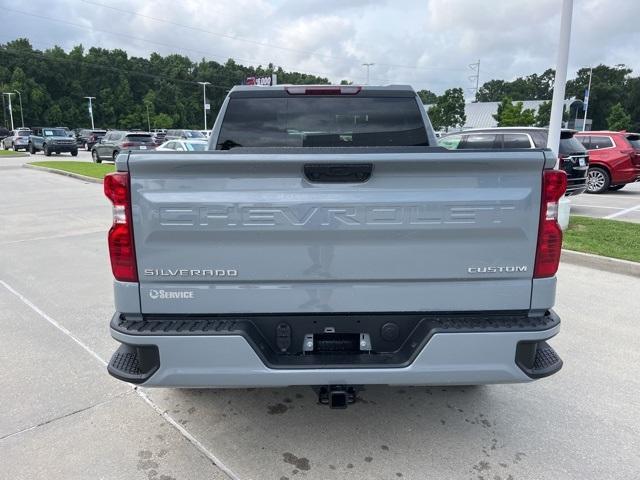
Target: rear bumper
455,353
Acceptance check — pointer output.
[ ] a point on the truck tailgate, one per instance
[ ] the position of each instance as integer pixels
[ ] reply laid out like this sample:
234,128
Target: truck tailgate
220,232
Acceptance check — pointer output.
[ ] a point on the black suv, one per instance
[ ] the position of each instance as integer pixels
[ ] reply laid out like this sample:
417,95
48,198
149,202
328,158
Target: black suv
87,138
574,158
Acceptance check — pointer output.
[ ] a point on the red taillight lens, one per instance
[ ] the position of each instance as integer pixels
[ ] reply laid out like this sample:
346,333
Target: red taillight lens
128,144
120,238
554,184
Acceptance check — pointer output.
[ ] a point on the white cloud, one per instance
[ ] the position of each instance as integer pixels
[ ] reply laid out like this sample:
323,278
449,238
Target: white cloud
437,38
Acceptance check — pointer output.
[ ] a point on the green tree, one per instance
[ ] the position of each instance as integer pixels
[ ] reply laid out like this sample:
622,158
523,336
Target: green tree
427,97
543,115
609,85
531,87
161,120
448,111
618,118
514,114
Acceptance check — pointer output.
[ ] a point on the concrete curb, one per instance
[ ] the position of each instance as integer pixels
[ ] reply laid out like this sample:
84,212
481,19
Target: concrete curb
62,172
598,262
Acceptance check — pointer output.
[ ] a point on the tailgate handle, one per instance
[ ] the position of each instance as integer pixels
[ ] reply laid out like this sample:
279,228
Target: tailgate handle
338,172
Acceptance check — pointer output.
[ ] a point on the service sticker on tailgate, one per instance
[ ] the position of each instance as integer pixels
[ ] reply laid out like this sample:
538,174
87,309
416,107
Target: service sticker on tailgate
161,294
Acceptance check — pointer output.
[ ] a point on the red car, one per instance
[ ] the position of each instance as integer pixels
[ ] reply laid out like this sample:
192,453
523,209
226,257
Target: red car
614,161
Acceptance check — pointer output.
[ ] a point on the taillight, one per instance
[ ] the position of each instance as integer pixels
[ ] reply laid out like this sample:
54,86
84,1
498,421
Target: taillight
120,238
554,184
344,90
128,144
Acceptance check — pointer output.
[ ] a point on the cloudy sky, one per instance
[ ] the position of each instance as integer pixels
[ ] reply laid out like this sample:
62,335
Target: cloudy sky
428,43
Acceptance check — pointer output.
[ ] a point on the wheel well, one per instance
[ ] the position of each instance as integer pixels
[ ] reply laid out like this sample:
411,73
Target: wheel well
601,166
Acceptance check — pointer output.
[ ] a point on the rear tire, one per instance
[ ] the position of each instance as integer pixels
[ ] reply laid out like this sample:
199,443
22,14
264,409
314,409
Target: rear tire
615,188
32,150
95,157
45,150
114,156
86,146
598,180
74,153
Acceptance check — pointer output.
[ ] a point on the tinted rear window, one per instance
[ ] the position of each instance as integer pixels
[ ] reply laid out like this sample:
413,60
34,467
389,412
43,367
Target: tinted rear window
516,140
571,145
478,141
139,138
309,121
634,140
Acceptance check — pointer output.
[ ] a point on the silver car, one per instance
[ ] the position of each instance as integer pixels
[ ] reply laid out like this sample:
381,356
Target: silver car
17,140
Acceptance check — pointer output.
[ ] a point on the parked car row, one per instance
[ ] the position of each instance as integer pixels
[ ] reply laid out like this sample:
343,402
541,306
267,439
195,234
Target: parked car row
103,144
595,162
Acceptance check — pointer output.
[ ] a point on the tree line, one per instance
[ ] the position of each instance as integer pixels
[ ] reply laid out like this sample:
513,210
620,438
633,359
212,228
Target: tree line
614,99
53,84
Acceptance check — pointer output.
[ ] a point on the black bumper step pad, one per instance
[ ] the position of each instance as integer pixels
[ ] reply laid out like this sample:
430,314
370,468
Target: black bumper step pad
542,360
134,364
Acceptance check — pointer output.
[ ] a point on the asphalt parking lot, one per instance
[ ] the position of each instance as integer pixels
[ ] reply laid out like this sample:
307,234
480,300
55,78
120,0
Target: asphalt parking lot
621,205
64,417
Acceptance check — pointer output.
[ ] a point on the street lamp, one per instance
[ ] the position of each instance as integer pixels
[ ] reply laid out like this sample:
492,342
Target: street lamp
368,65
21,115
204,100
91,111
10,110
587,93
148,119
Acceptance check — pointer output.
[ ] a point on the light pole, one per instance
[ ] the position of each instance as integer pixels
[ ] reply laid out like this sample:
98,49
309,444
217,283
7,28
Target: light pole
21,115
586,100
557,103
204,101
148,119
368,65
10,110
91,111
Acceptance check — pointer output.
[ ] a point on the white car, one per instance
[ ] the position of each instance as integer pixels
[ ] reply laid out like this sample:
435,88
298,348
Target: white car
184,145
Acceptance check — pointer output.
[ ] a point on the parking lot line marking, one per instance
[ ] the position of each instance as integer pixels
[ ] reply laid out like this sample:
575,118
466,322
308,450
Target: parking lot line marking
163,413
595,206
623,212
33,307
194,441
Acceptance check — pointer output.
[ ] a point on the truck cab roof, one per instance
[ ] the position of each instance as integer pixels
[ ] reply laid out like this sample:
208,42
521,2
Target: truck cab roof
285,90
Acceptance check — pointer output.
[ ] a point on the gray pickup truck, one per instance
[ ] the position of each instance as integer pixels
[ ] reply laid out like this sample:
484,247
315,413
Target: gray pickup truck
325,240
